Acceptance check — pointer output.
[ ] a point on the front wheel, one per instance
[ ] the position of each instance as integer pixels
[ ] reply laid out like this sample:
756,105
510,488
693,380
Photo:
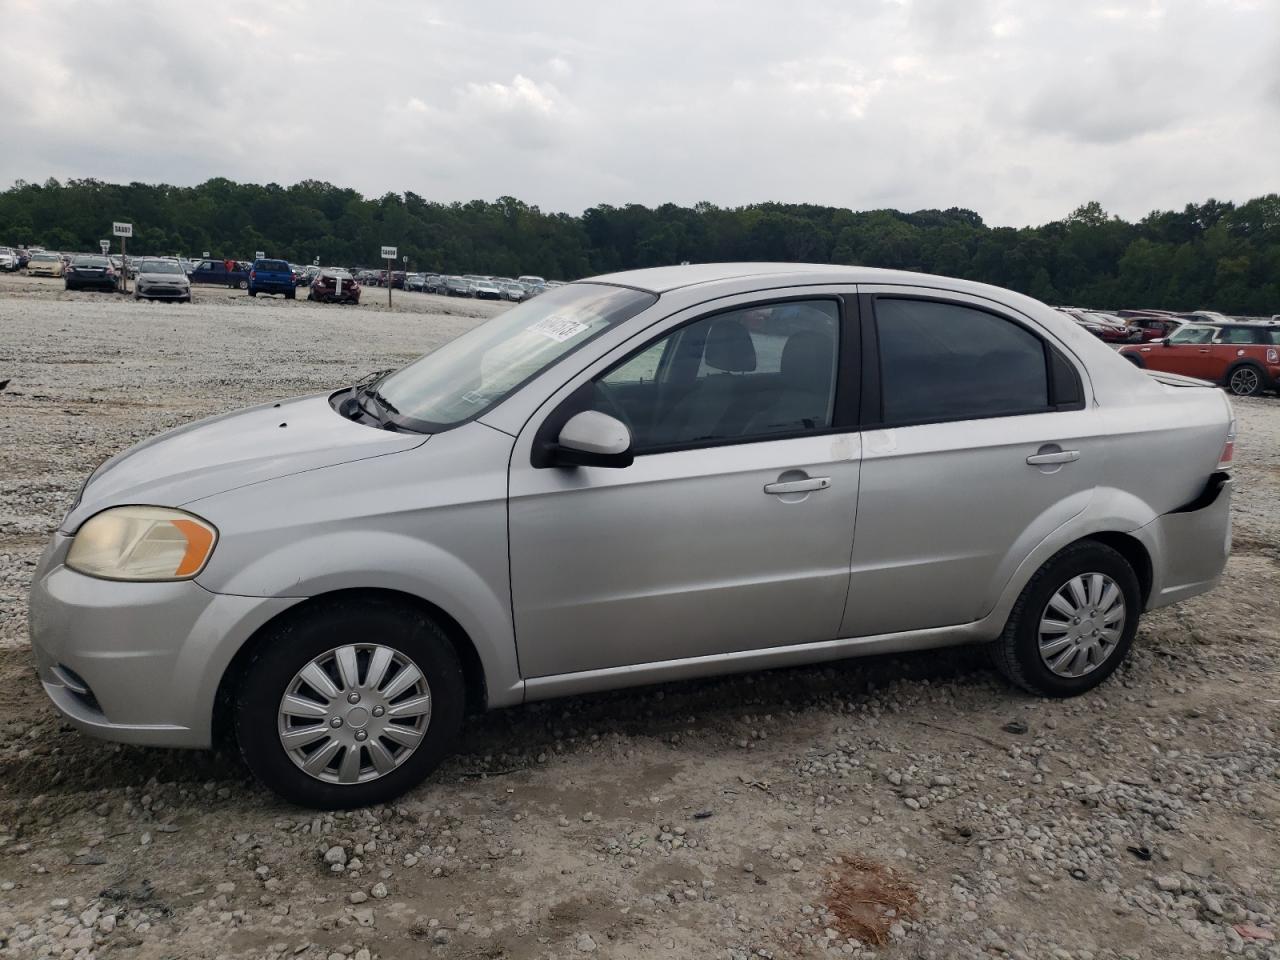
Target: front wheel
1073,623
1244,381
349,704
292,294
243,284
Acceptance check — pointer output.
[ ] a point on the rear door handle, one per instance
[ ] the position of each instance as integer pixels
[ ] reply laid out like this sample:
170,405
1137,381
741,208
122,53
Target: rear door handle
1061,456
798,486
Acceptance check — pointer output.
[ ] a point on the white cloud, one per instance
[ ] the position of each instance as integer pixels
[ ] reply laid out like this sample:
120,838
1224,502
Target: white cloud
861,103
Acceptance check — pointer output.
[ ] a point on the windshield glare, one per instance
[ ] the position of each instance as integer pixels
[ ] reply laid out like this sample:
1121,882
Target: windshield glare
159,266
469,375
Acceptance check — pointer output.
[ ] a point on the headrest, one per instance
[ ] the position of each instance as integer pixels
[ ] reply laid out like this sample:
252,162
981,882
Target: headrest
729,347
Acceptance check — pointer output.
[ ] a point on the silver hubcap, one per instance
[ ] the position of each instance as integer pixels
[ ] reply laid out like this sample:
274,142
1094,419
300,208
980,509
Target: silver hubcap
354,713
1081,625
1244,381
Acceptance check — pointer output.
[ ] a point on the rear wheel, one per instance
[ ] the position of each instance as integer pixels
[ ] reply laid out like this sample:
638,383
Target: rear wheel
1245,381
292,294
243,285
1073,624
253,293
349,704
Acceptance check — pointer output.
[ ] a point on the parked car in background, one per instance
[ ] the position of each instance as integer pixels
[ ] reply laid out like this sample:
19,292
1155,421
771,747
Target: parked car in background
1243,357
487,290
90,272
529,280
458,287
1155,327
161,279
434,283
1105,327
8,259
334,285
414,281
522,514
272,276
515,292
216,272
45,265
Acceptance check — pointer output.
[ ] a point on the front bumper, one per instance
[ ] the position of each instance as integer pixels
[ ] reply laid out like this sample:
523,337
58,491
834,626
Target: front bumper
136,662
166,292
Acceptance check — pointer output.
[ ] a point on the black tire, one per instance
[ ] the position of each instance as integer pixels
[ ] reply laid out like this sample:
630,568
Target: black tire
292,294
296,641
1244,380
1016,654
243,284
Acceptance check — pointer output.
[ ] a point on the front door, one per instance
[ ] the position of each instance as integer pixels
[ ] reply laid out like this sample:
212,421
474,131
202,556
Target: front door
731,530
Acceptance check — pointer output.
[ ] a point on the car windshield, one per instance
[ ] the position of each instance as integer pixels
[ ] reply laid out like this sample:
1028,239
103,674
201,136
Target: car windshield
469,375
45,257
1191,334
159,266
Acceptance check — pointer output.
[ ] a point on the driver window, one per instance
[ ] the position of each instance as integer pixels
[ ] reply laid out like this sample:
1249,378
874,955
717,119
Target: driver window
760,372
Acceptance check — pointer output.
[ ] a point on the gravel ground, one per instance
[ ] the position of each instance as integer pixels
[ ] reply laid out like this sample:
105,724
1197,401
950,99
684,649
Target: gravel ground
766,815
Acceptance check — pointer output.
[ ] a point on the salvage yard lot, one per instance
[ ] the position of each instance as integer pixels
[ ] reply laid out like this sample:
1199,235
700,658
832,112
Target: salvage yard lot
725,818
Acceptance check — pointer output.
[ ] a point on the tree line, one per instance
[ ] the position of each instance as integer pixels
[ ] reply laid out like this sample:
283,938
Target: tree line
1211,255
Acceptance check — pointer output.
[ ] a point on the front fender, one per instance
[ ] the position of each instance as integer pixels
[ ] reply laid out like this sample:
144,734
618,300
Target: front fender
387,560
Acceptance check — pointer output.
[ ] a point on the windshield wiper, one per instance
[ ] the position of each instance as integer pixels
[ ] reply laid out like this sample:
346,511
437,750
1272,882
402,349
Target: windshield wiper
382,401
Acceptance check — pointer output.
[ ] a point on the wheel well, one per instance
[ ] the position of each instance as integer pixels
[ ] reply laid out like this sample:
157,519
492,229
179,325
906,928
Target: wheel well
1133,551
1134,359
472,668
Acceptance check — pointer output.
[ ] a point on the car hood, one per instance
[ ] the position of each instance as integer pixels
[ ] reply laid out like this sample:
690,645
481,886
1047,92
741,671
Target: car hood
233,450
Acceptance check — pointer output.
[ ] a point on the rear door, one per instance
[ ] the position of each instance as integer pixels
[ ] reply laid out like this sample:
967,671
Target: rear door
731,530
977,444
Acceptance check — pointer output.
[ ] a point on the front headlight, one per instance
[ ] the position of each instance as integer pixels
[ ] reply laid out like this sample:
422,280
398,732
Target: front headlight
142,543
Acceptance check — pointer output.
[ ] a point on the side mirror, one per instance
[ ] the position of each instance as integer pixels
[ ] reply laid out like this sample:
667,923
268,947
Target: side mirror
1163,341
593,439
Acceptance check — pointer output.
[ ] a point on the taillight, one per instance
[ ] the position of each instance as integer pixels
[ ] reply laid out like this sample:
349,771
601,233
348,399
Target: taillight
1228,448
253,274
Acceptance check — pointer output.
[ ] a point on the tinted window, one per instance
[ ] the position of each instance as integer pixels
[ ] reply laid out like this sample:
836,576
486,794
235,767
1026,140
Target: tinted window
90,262
273,265
943,361
1239,335
743,375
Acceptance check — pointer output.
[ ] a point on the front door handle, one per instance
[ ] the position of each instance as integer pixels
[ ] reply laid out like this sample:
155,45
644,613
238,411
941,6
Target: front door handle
1061,456
797,486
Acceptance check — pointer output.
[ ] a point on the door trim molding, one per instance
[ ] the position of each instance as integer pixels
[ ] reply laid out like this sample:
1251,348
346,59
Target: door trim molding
742,661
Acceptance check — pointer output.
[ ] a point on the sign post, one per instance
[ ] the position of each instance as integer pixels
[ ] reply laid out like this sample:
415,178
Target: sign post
124,231
259,255
389,254
105,245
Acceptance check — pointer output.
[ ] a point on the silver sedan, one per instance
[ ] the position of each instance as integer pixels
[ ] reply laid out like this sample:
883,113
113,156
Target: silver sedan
161,280
632,479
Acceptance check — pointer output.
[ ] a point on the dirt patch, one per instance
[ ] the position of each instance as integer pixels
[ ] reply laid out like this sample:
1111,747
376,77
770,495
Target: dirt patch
866,899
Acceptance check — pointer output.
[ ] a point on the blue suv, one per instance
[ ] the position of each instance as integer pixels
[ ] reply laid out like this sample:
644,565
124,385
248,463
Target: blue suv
272,276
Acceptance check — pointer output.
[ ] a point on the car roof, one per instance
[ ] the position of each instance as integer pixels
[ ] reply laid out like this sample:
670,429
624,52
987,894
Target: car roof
664,279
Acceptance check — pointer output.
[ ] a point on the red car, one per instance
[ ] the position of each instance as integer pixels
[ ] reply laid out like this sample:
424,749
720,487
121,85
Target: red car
1153,327
334,285
1105,327
1243,357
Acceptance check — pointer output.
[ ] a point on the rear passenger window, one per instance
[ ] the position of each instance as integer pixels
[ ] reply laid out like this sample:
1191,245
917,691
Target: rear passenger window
944,361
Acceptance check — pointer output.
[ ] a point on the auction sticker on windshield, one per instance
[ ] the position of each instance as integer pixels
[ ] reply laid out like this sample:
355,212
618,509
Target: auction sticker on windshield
558,329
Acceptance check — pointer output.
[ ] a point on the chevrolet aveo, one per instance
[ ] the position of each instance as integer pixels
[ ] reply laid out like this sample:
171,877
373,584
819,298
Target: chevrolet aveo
636,478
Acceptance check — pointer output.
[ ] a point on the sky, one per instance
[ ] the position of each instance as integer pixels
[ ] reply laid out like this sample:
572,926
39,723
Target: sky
1019,109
